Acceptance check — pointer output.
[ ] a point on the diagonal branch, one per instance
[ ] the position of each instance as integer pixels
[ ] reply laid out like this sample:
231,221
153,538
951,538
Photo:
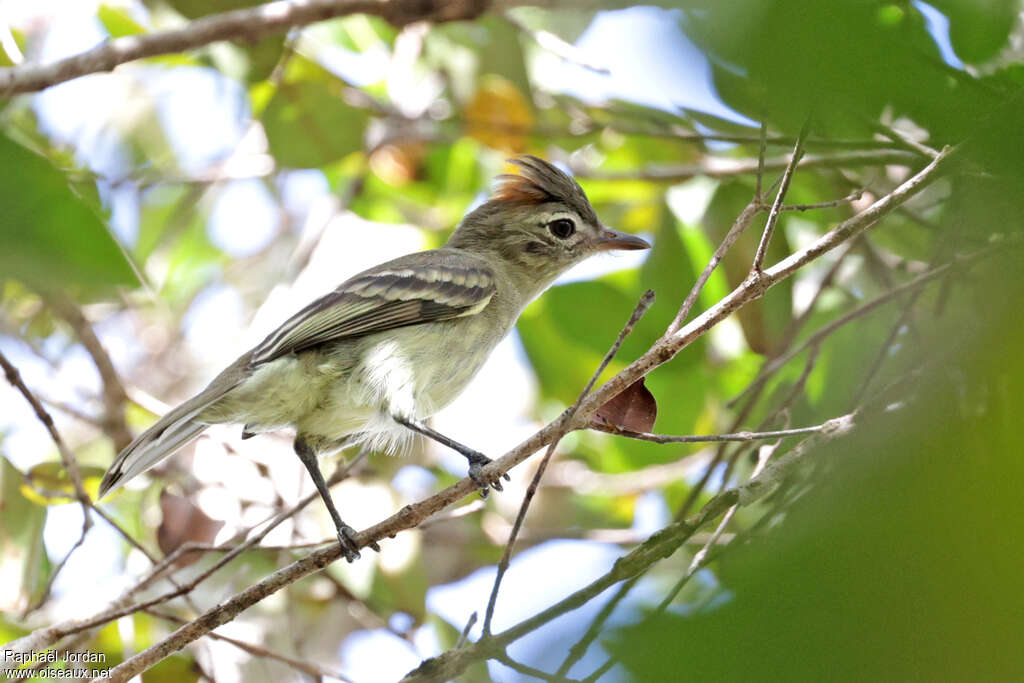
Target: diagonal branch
659,546
114,396
70,464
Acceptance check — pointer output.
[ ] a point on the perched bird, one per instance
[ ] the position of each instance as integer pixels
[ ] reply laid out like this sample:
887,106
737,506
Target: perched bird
368,362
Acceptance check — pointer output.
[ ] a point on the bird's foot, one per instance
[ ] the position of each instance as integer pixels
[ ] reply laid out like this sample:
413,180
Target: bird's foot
477,462
347,539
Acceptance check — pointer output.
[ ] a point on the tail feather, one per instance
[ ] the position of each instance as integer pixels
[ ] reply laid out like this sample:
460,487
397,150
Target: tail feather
167,435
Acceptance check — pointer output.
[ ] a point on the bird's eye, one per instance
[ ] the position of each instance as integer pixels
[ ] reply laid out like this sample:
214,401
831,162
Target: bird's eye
563,228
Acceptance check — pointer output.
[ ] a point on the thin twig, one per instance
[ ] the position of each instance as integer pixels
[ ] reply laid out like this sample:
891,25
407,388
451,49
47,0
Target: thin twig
641,307
852,197
580,647
719,167
905,141
114,397
464,635
661,545
70,464
773,215
567,52
761,147
739,226
707,438
309,668
769,369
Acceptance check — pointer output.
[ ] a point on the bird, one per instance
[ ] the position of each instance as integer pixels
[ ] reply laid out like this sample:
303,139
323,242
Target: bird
370,361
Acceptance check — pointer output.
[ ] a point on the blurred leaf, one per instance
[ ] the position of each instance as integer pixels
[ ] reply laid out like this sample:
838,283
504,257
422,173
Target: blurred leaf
48,483
308,122
118,21
900,563
51,237
18,36
762,320
499,115
181,521
669,272
633,408
177,668
22,554
843,60
567,331
502,52
978,29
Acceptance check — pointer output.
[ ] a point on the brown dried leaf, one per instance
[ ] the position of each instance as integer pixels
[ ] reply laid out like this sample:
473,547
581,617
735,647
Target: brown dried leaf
633,409
182,521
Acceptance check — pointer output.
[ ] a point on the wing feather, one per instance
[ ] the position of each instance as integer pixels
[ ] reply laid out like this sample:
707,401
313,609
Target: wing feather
381,300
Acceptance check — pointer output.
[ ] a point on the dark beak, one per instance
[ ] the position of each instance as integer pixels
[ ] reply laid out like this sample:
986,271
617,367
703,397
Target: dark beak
613,239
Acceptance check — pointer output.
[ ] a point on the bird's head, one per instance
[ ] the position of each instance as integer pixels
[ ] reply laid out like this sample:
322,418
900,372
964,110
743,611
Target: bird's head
540,222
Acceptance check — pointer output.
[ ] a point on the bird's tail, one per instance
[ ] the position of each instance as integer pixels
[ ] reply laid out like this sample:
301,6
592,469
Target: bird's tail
171,432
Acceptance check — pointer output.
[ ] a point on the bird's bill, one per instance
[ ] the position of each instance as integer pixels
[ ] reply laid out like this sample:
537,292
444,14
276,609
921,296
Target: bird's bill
613,239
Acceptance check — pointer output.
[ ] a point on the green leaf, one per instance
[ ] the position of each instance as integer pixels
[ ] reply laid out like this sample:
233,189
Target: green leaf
118,21
51,236
21,539
978,29
48,483
307,121
898,563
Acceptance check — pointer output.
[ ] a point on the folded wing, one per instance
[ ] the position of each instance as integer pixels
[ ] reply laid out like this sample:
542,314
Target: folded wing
381,300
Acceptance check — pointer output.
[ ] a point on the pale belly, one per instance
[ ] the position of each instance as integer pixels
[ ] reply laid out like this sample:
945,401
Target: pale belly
327,397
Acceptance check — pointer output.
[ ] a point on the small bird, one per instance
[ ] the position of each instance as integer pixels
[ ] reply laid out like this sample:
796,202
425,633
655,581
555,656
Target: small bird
370,361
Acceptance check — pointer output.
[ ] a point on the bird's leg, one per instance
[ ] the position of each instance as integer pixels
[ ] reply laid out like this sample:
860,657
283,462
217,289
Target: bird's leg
346,534
476,459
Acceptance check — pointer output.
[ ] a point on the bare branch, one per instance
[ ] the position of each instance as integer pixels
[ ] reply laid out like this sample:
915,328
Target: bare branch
773,215
308,668
852,197
641,307
773,366
659,546
708,438
752,288
14,377
717,167
739,226
114,396
248,24
557,46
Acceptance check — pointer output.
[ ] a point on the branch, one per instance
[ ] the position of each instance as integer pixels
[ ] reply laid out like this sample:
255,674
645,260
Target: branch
70,464
708,438
756,285
313,670
248,24
773,215
114,396
641,307
659,546
768,369
717,167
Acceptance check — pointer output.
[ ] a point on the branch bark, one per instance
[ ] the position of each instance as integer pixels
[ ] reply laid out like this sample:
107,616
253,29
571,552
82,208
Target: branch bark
248,24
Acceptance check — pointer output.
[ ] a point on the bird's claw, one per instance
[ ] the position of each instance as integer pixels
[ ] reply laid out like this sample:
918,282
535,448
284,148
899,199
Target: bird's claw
347,539
477,462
